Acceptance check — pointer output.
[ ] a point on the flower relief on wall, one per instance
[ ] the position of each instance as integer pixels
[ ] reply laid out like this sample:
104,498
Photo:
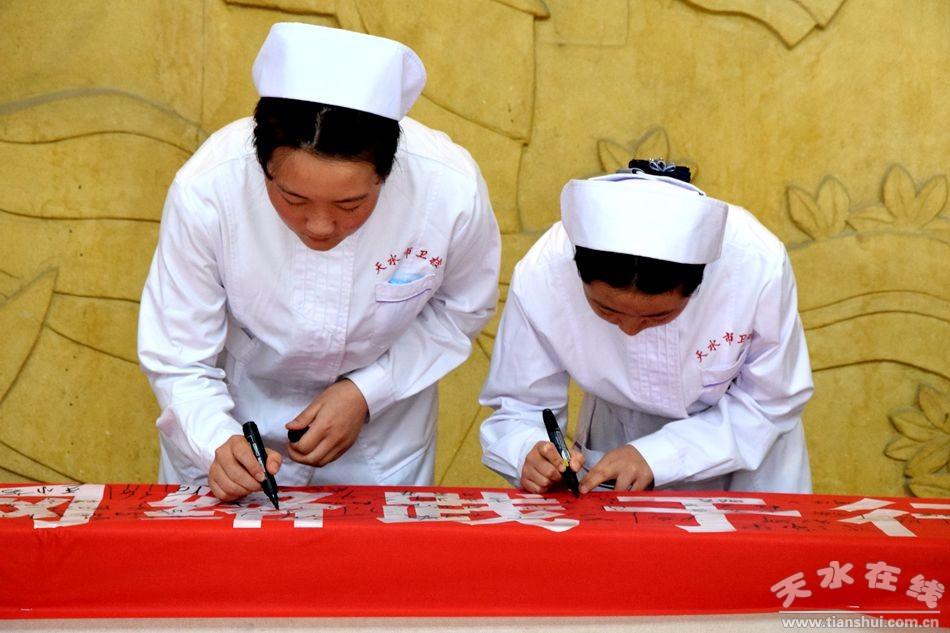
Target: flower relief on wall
889,304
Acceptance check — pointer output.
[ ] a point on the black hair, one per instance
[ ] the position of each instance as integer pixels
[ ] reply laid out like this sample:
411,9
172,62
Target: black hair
324,130
648,275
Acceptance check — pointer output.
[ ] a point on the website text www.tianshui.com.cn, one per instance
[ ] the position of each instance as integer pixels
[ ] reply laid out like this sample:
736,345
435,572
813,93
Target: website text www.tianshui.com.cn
826,620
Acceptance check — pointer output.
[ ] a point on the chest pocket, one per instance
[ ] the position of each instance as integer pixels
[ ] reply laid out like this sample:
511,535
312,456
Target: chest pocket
397,306
716,380
239,346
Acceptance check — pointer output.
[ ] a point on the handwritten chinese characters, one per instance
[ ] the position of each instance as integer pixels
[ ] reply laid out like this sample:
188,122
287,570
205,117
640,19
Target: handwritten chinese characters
196,502
886,519
491,509
709,517
75,505
78,503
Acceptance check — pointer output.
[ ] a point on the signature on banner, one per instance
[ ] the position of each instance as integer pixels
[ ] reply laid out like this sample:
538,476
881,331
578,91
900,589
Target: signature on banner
54,506
196,502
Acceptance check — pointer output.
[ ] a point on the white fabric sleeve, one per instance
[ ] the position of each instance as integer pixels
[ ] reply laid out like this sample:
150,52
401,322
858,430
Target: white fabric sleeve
182,329
525,378
765,400
440,337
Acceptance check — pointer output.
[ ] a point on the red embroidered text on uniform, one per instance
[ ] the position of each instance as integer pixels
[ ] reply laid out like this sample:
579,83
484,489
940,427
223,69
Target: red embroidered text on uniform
421,253
727,338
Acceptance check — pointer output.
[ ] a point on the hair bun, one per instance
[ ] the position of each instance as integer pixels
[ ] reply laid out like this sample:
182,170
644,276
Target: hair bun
660,167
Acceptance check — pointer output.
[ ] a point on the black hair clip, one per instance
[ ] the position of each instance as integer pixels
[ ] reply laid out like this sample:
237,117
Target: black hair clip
659,167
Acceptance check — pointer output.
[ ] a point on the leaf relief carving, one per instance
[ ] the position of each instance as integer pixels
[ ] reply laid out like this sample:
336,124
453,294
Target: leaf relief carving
911,207
821,216
905,207
924,443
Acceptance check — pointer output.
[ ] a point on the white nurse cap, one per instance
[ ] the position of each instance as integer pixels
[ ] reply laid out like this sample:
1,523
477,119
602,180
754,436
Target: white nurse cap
641,214
337,67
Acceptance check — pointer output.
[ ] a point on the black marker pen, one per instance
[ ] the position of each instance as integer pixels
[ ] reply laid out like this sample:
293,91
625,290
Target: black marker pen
557,438
253,437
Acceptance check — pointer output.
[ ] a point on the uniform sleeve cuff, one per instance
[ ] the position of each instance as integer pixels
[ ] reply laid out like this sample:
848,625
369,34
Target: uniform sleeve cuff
192,451
221,435
376,386
662,456
507,458
526,447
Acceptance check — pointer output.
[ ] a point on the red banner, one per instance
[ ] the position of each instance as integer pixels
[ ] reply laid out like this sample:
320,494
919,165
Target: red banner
168,551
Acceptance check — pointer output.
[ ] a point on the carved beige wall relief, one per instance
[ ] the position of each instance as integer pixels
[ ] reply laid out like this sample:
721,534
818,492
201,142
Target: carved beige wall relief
791,20
875,302
923,442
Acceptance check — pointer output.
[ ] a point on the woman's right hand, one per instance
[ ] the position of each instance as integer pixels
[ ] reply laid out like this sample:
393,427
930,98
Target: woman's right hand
543,467
235,472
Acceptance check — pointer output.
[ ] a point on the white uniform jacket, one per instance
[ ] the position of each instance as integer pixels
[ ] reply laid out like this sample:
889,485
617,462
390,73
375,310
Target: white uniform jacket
240,321
712,399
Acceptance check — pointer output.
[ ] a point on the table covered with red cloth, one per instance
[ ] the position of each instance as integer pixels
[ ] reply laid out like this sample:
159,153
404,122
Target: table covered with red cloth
175,551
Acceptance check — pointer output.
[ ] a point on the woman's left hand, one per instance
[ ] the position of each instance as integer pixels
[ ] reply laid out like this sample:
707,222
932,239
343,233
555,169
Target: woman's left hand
626,465
336,418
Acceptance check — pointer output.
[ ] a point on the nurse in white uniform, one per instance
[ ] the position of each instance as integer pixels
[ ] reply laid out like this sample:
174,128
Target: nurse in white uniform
319,266
677,315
